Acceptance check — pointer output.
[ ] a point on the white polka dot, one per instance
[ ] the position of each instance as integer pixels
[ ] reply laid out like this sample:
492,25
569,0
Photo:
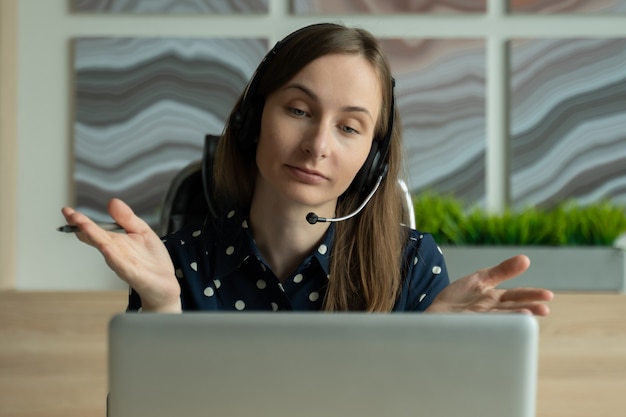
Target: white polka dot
415,261
421,236
298,278
261,284
182,243
274,307
230,250
194,266
217,283
262,266
413,239
439,249
209,292
140,309
436,270
179,273
196,233
422,297
230,214
244,224
314,296
322,249
240,305
281,287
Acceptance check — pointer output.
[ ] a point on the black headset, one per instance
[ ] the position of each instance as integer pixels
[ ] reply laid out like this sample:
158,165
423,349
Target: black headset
246,121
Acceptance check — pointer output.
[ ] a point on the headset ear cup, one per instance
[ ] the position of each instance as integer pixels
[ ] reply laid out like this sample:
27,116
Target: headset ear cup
367,175
376,163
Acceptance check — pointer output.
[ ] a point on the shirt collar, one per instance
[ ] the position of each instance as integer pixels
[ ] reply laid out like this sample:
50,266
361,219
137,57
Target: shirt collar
237,246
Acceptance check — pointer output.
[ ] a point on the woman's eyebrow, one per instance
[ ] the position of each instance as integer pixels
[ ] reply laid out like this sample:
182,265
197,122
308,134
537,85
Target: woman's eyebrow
315,98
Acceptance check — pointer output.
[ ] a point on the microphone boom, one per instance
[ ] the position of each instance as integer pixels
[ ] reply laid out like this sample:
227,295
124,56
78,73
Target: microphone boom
313,218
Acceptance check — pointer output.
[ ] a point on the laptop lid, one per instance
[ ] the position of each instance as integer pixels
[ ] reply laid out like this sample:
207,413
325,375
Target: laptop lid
315,364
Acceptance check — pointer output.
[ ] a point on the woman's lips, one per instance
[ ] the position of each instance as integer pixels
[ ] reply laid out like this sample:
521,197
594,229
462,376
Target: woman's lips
306,175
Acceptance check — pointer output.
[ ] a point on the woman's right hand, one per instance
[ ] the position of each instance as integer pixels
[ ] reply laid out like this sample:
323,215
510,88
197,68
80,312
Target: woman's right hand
138,256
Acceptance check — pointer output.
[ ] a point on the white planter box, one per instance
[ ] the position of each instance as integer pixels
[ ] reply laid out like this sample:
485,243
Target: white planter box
591,269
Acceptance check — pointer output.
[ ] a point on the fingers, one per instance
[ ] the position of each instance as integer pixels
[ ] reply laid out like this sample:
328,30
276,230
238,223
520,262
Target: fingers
510,268
118,210
90,233
526,300
536,309
93,235
125,217
526,295
72,216
519,300
539,310
76,218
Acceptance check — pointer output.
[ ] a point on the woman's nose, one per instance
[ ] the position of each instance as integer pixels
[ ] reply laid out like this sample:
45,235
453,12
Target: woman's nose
316,141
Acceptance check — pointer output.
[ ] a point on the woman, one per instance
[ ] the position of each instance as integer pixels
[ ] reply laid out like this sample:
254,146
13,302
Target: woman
312,137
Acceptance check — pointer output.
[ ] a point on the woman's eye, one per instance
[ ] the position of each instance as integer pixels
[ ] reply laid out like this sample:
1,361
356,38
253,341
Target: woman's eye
348,130
297,112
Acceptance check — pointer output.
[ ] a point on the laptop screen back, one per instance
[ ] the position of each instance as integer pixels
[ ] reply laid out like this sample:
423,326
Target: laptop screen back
315,364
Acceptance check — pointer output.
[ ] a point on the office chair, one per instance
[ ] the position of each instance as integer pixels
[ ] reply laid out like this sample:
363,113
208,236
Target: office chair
188,199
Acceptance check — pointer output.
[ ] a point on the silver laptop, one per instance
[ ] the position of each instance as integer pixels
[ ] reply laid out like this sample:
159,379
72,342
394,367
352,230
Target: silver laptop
316,364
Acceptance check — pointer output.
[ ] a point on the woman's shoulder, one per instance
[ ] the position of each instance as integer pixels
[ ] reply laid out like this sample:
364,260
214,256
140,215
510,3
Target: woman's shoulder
426,273
212,230
185,233
417,238
423,251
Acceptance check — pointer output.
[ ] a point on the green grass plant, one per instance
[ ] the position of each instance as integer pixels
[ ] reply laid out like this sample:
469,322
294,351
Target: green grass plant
567,224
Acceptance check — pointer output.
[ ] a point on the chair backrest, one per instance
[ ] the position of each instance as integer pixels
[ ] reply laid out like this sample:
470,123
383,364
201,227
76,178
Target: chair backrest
408,210
189,200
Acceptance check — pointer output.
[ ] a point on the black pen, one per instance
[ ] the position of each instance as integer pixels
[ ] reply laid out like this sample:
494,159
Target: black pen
71,228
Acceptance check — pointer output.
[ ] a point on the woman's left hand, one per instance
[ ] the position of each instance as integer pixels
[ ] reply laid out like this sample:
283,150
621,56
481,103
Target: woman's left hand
477,293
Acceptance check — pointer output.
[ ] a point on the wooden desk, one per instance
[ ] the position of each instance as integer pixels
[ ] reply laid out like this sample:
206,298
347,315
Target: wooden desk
582,357
53,354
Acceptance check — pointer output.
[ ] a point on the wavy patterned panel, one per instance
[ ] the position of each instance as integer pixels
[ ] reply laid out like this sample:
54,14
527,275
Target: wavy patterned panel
440,88
567,6
143,106
568,120
387,6
169,6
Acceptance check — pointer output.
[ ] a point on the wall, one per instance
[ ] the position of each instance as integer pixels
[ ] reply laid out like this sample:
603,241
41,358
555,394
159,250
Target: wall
8,74
36,129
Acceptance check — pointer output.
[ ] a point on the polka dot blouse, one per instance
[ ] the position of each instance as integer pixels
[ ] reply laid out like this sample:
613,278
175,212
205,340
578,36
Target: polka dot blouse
219,267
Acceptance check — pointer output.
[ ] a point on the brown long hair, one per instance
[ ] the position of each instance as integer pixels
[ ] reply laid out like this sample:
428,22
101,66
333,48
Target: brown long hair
365,264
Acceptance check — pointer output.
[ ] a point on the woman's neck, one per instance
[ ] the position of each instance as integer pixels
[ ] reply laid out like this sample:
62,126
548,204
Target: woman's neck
283,235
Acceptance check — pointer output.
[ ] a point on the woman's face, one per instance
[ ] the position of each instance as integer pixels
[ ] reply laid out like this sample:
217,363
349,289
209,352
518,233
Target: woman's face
317,130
